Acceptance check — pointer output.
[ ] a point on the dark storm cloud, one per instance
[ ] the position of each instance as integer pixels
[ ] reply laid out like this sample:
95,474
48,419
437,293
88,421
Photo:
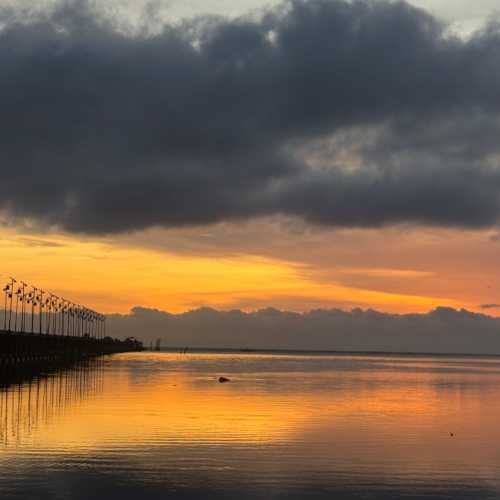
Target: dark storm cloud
103,131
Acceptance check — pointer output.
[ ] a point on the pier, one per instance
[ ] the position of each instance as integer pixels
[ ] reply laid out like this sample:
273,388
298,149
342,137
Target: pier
40,328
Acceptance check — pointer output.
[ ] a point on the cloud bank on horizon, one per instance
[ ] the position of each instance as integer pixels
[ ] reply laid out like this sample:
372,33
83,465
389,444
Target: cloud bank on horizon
344,114
443,330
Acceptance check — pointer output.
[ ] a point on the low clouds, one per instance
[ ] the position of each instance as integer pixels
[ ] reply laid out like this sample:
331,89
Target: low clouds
355,114
443,330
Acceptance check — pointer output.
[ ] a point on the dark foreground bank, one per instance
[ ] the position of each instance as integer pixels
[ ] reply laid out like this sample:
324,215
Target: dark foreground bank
24,350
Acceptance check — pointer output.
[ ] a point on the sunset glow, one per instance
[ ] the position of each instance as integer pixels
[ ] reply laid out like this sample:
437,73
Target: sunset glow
115,278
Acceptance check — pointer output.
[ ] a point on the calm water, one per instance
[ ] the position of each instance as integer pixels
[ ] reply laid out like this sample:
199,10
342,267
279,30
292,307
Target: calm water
159,425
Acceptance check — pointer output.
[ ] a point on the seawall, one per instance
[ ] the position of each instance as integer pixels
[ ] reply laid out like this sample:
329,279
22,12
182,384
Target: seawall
23,349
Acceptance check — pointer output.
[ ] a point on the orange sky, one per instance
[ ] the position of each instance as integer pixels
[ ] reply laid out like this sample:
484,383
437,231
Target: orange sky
260,264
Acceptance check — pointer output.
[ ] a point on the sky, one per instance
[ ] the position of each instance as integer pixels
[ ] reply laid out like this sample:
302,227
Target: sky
307,154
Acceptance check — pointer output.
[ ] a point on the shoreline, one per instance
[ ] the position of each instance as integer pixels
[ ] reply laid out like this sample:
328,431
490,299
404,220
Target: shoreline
285,352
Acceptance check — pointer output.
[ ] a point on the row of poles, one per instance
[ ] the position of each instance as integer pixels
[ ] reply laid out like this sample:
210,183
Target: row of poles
28,309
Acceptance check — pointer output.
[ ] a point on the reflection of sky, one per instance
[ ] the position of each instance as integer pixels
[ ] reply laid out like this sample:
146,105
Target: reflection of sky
284,425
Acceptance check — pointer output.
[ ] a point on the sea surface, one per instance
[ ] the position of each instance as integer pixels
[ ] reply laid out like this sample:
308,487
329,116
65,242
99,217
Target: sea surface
160,425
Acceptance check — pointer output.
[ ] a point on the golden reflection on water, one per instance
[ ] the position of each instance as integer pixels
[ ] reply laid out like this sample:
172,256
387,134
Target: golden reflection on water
27,407
87,408
384,417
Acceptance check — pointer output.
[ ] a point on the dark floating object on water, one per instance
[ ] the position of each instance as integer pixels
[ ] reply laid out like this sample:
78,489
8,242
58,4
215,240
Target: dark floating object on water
451,434
223,379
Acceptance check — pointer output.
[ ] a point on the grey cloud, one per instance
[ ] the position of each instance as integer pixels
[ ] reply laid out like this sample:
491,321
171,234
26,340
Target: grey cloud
490,306
104,131
442,330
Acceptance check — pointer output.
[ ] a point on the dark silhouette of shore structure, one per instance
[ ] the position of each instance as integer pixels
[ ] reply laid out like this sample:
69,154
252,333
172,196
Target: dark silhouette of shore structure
40,328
